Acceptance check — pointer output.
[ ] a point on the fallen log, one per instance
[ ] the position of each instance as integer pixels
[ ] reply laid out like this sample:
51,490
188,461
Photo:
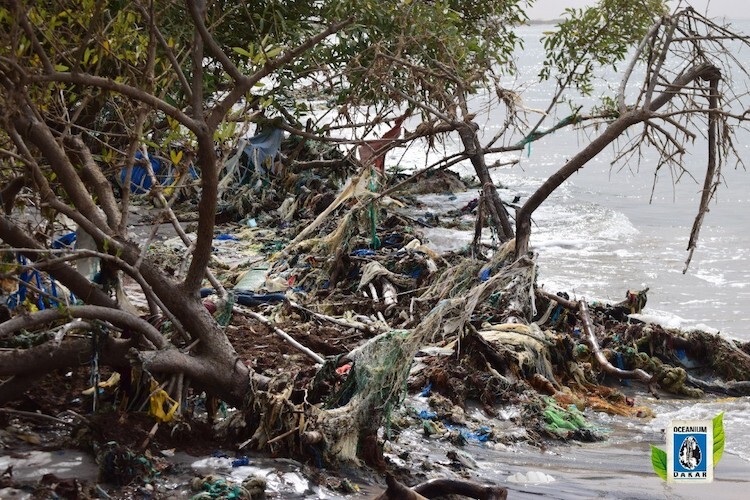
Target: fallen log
442,487
397,491
436,488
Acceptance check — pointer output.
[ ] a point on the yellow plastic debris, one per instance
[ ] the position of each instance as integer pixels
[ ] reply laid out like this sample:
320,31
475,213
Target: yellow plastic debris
112,381
159,399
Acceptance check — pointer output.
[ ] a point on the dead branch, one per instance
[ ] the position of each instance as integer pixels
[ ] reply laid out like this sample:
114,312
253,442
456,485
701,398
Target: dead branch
34,416
397,491
588,328
438,488
336,321
582,308
631,66
713,170
281,333
442,487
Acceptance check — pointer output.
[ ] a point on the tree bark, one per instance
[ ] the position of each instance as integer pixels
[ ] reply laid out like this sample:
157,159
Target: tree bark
117,317
500,220
44,358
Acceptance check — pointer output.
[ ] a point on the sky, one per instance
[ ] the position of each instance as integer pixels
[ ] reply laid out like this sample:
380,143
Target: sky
731,9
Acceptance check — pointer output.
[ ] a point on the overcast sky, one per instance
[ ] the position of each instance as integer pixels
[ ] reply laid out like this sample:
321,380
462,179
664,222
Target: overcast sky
732,9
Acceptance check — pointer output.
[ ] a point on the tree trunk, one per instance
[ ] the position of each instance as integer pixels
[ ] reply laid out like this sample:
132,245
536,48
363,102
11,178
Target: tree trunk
494,205
610,134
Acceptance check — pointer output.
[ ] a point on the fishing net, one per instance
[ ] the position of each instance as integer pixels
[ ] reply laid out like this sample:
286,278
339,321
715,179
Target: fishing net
377,382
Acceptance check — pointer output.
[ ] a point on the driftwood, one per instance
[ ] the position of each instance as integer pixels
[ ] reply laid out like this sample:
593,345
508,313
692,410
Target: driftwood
439,488
582,309
281,333
588,328
336,321
397,491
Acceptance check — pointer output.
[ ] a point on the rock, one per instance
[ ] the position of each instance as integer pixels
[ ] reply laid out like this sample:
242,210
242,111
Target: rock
462,458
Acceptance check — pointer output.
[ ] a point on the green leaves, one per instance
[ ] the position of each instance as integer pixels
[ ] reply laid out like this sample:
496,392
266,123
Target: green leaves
242,52
659,461
595,36
659,456
718,437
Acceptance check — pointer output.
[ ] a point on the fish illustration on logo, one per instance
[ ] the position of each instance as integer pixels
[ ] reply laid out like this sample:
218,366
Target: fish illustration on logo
690,455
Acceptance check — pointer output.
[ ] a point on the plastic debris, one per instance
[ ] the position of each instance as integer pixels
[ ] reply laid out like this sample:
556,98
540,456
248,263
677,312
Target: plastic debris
344,369
226,237
427,415
531,477
240,462
160,400
426,391
248,298
364,252
65,241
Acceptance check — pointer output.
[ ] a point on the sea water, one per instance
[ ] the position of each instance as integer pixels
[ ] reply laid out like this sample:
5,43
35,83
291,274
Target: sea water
611,228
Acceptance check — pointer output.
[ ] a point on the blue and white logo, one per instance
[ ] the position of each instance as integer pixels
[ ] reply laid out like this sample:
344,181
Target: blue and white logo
690,451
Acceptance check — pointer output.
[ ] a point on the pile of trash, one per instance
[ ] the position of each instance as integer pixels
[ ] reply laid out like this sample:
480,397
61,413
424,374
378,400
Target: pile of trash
320,261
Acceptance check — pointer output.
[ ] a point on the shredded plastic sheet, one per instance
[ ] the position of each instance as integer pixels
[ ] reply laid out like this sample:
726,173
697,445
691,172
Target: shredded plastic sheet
165,173
112,381
373,152
160,400
254,154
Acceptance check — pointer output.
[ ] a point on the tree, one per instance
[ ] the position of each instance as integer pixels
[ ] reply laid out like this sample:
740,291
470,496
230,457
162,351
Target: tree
687,67
87,87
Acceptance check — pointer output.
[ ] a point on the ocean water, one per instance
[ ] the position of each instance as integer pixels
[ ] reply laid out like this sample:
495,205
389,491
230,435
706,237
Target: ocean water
609,228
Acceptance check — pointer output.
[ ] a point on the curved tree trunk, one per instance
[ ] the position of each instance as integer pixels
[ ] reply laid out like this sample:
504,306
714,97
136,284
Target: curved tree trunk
523,215
610,134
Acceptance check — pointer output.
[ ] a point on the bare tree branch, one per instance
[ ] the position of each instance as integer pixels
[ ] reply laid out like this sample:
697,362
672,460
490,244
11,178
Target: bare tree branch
117,317
246,83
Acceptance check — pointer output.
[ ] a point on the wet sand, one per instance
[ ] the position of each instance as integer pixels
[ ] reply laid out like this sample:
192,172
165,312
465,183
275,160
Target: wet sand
602,470
617,468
